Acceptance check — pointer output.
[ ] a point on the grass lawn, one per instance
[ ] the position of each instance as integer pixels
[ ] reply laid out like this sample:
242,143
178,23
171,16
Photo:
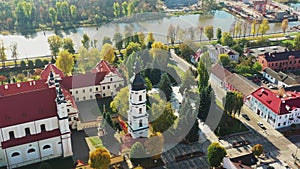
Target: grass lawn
96,142
57,163
229,125
177,69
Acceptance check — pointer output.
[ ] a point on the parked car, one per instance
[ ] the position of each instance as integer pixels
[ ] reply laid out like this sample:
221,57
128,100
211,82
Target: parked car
261,125
246,117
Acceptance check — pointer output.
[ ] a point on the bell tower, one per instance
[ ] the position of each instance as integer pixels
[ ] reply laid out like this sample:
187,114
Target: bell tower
137,114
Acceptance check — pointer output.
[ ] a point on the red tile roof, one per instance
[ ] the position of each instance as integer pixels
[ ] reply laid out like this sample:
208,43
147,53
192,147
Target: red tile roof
220,72
278,105
27,107
83,80
45,73
30,138
11,89
104,66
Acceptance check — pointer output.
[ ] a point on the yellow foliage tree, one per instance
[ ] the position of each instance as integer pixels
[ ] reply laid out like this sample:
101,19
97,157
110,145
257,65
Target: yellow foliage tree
108,53
99,159
65,62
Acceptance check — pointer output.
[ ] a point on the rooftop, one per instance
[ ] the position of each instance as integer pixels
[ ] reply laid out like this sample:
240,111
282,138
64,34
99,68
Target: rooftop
220,72
262,50
280,76
242,84
280,56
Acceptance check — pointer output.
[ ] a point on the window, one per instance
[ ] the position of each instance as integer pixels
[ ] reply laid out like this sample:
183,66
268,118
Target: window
11,135
43,127
141,123
74,118
108,87
76,92
103,94
276,64
284,123
278,124
46,147
77,99
103,87
91,96
27,131
83,97
91,89
140,98
31,150
68,110
111,79
96,88
115,86
83,91
70,92
15,154
140,110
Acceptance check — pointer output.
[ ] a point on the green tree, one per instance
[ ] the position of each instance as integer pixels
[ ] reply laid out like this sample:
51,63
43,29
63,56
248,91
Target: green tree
86,41
233,102
242,69
87,58
99,159
73,12
132,47
219,34
148,83
238,48
21,77
120,102
2,54
39,63
254,27
215,154
226,39
284,25
154,145
209,32
68,45
53,15
137,152
297,42
163,115
118,41
124,8
106,39
203,75
55,43
188,81
25,14
130,8
257,149
107,53
165,86
23,64
116,8
204,102
257,67
65,62
264,27
30,64
65,10
224,60
2,79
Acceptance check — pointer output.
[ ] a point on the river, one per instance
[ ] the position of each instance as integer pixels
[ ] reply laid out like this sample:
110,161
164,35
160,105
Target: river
37,45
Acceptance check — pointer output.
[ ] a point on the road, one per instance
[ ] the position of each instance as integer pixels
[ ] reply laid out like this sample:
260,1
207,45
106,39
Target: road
181,63
277,146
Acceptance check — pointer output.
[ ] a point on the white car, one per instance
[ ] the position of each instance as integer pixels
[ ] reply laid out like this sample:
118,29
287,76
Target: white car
261,125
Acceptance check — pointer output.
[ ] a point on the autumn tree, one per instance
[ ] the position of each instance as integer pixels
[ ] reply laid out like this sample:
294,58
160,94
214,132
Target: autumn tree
117,9
226,39
2,79
257,149
215,154
120,102
86,41
65,62
99,159
87,58
68,45
133,47
55,43
150,39
264,27
108,53
254,27
2,54
209,32
284,25
297,42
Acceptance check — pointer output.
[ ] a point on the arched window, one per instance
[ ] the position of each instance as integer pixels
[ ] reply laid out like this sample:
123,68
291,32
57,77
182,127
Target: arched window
140,110
46,147
141,123
31,150
140,98
15,154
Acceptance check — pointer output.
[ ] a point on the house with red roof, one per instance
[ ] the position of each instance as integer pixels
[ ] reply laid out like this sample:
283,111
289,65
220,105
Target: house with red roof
219,75
39,127
279,108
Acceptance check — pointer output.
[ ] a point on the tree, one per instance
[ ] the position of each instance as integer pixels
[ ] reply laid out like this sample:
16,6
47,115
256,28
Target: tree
55,43
200,30
204,102
116,8
132,47
209,32
148,83
163,115
65,62
154,145
2,79
39,63
297,42
242,69
108,53
191,32
284,25
87,58
120,102
137,152
233,102
73,11
264,27
226,39
21,77
53,15
14,52
2,54
165,86
219,34
224,60
203,75
171,34
118,41
86,41
23,64
253,27
30,64
238,48
188,81
68,45
99,159
257,67
215,154
106,39
150,40
124,8
257,149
